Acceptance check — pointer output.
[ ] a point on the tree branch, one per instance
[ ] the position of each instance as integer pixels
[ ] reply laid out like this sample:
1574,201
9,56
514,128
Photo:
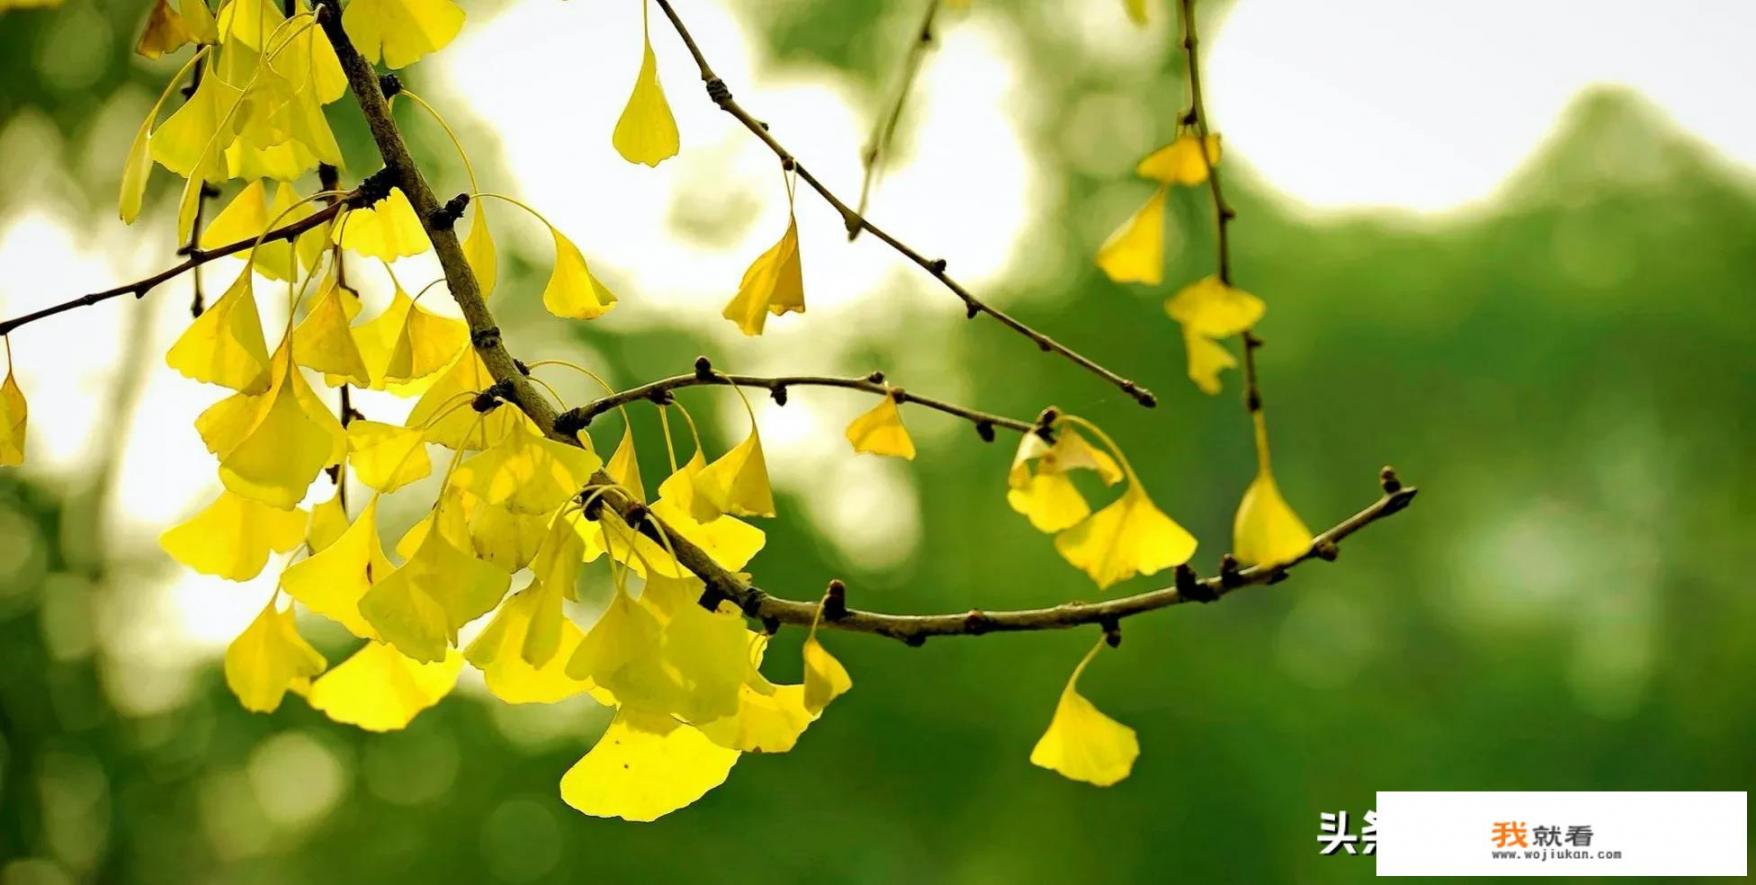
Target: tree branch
885,128
720,582
197,257
854,221
660,392
914,629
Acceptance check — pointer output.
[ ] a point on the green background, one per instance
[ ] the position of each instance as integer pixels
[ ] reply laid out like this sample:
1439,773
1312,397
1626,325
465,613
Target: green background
1565,373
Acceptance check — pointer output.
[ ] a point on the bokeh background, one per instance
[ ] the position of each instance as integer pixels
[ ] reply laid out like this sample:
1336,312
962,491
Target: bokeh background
1507,247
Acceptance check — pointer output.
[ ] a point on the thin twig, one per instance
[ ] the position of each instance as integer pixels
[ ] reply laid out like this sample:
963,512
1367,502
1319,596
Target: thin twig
722,96
197,257
660,391
884,130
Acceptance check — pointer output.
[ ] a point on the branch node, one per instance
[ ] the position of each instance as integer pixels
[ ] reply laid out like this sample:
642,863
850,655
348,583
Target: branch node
937,266
718,91
914,640
779,394
572,421
1389,481
375,187
520,365
1228,572
485,339
985,430
1326,549
489,399
703,368
975,623
390,85
662,397
771,625
1189,586
835,600
445,217
1112,631
971,309
875,378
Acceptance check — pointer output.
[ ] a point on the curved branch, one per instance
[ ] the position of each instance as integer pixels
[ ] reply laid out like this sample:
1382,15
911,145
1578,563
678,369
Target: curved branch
855,222
885,128
197,257
660,391
914,629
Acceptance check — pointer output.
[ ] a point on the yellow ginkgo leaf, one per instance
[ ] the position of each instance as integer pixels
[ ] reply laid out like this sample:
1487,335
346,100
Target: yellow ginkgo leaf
646,132
191,142
645,766
1210,310
624,465
269,658
462,428
1135,253
479,251
1127,538
388,229
135,171
1180,162
387,457
825,678
502,536
1082,743
1266,530
231,537
1136,10
526,473
324,340
496,651
14,415
880,431
420,607
402,30
332,580
329,520
774,283
556,565
198,20
381,689
249,22
271,446
572,291
426,344
770,717
665,653
1038,484
165,31
736,483
224,345
248,216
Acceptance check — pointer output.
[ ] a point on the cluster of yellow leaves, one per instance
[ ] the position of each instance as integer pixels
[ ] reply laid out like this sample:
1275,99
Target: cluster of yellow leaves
1129,536
1210,310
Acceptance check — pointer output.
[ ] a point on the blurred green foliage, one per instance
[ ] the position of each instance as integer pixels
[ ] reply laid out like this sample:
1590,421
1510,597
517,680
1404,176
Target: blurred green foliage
1566,373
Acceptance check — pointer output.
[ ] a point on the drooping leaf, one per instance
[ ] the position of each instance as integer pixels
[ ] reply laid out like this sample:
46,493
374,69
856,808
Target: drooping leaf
381,689
572,291
232,537
645,766
401,30
1135,253
646,132
774,283
270,658
1127,538
881,432
1082,743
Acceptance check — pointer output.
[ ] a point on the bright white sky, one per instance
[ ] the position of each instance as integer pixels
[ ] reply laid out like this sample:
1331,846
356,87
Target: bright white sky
1422,106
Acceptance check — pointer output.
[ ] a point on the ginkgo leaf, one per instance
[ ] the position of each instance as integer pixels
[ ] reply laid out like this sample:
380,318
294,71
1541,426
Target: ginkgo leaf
135,171
624,465
646,132
14,415
387,230
1266,531
526,473
271,446
231,537
1135,253
329,520
736,483
666,653
1038,484
191,142
774,283
770,717
1209,310
496,651
448,421
1082,743
248,216
420,607
402,30
1127,538
645,766
249,22
1180,161
556,566
502,536
572,292
268,659
324,340
387,457
224,345
198,20
407,342
164,32
825,678
479,251
881,432
381,689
